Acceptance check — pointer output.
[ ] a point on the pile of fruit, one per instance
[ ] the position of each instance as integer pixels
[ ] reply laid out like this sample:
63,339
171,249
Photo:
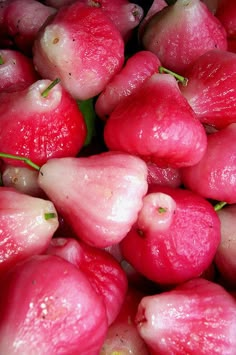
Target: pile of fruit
118,177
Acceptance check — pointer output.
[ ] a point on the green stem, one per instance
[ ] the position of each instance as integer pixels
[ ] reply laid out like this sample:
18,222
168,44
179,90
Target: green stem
219,205
182,79
17,157
50,87
1,60
49,215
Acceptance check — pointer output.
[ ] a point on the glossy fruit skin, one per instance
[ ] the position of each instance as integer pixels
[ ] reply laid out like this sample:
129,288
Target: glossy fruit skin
217,169
17,71
212,74
25,229
40,127
180,33
197,317
50,320
157,124
136,70
101,269
87,34
175,240
102,195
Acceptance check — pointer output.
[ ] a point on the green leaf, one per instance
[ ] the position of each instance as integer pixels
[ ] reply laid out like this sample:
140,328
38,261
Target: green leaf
87,109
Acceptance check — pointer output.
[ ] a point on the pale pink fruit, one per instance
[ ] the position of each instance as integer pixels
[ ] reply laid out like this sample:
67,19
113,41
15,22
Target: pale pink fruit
198,317
99,196
48,306
180,33
101,269
27,226
87,34
140,66
175,237
16,71
214,177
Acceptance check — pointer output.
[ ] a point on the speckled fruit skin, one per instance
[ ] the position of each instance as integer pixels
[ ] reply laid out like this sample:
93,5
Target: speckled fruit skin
157,123
56,311
87,34
174,241
197,317
40,127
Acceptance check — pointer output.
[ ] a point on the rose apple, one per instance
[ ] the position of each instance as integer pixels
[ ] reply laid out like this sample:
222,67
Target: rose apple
197,317
175,236
48,306
27,226
16,70
157,123
87,34
40,126
180,33
102,194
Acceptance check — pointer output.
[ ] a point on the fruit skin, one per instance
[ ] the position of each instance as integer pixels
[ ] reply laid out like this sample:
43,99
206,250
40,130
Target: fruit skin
17,71
101,269
87,34
180,33
175,236
23,179
122,336
163,176
226,13
24,231
99,196
225,258
197,317
157,124
216,171
22,20
136,70
56,311
157,5
40,127
212,75
125,14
